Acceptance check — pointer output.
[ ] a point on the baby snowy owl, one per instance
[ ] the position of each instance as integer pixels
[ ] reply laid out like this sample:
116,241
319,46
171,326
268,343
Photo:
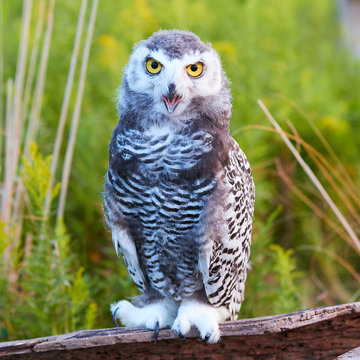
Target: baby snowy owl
179,194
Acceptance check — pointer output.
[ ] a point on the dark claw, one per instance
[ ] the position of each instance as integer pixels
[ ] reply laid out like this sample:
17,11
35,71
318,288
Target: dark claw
156,332
114,318
205,339
182,337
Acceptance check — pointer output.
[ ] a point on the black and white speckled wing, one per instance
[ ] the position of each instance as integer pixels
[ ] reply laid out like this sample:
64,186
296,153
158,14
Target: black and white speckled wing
224,260
122,239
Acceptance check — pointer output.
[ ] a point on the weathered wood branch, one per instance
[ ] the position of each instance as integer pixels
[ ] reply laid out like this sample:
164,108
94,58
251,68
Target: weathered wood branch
321,333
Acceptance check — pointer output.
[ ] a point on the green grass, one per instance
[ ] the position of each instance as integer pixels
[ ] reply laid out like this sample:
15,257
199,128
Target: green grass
286,52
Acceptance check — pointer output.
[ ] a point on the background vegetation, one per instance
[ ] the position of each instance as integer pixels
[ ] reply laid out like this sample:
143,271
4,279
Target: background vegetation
61,275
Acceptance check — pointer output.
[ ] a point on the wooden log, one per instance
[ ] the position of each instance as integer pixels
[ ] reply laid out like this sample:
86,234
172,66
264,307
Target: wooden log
320,333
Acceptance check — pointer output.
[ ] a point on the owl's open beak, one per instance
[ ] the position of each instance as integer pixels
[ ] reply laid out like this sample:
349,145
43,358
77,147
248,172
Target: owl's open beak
172,99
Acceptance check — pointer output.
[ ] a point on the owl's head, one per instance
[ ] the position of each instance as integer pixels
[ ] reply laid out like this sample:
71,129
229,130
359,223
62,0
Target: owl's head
173,73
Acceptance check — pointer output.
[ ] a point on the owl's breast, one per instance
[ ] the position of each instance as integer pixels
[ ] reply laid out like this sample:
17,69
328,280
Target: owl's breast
161,151
166,221
158,187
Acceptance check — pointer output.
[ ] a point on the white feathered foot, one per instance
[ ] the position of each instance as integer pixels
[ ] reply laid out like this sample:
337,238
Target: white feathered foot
203,316
155,316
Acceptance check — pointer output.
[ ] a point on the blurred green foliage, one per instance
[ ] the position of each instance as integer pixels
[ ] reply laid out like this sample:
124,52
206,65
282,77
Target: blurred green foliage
39,291
286,52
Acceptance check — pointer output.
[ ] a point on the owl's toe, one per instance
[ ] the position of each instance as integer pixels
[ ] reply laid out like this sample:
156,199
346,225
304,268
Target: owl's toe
154,316
183,338
123,311
181,326
205,339
212,337
204,317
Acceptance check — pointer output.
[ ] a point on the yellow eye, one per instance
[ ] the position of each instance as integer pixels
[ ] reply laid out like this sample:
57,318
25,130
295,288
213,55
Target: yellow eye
153,66
195,70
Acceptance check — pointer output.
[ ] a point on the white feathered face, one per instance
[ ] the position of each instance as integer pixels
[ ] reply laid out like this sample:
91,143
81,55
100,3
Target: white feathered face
173,82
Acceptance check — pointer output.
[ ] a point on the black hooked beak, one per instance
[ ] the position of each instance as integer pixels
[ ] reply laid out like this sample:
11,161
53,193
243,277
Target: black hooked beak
172,99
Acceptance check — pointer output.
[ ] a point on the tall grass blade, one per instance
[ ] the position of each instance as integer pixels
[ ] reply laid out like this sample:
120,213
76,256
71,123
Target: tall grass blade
335,257
338,189
34,119
18,205
39,90
316,209
347,183
350,195
76,113
313,178
328,171
340,171
13,138
2,123
8,134
65,104
33,58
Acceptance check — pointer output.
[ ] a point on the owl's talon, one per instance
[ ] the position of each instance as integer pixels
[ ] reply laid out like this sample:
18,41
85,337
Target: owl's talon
205,339
114,317
156,331
182,337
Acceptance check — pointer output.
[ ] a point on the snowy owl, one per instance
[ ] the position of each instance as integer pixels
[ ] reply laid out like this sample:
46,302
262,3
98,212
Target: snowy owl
179,194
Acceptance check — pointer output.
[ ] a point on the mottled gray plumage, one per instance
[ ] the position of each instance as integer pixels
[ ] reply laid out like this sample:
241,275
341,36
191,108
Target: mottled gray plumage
175,44
179,195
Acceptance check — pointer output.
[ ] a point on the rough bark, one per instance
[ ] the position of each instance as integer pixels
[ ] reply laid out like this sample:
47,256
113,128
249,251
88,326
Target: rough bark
321,333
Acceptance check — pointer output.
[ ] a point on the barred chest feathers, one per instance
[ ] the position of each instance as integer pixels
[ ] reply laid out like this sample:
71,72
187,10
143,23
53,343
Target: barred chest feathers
161,194
162,152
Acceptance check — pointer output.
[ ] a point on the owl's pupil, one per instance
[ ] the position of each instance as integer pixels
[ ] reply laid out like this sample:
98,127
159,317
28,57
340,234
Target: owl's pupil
154,65
193,68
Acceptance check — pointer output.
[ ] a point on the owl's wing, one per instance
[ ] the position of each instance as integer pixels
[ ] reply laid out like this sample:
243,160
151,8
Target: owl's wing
224,259
123,242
